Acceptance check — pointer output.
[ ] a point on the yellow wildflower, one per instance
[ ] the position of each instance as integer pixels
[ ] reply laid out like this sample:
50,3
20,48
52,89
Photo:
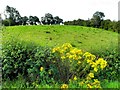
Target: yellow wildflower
68,45
89,86
95,69
92,57
75,57
41,69
79,51
68,54
64,86
96,81
63,57
71,56
75,78
56,49
103,64
91,75
90,62
94,64
61,51
78,62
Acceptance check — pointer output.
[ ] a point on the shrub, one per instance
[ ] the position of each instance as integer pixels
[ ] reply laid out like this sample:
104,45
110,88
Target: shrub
73,63
26,59
112,71
15,54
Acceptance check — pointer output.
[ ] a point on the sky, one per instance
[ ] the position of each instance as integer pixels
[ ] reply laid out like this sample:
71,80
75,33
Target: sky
65,9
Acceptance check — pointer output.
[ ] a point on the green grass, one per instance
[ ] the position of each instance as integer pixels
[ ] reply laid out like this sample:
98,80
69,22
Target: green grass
110,84
89,39
20,83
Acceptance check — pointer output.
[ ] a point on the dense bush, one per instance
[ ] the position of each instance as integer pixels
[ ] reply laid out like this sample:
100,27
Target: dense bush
63,64
75,64
112,71
15,54
26,59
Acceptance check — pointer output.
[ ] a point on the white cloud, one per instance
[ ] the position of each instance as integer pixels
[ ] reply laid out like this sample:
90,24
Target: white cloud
66,9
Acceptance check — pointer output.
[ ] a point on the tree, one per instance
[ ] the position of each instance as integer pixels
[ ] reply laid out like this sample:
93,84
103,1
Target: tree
24,20
49,19
33,20
57,20
13,15
106,24
97,18
36,20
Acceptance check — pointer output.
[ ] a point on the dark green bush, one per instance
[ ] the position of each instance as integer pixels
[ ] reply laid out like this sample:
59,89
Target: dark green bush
15,54
112,71
26,59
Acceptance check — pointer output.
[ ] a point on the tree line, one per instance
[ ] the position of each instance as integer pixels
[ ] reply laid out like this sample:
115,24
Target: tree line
97,21
13,17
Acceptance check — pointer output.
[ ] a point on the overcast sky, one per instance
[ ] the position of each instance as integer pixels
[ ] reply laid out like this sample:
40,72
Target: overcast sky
65,9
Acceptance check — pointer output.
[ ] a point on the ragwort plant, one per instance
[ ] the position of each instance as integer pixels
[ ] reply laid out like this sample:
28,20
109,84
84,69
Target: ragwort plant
73,63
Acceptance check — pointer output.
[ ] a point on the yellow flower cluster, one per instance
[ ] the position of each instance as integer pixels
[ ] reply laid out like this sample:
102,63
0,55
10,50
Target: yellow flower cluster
67,51
91,75
64,86
56,49
100,62
89,56
79,59
95,64
95,84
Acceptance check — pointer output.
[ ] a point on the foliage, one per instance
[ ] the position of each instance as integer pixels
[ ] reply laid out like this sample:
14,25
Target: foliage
6,22
97,21
33,20
97,18
14,56
72,63
111,72
13,15
49,19
17,83
33,62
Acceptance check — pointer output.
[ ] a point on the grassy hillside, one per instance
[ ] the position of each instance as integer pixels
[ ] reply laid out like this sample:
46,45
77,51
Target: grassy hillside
89,39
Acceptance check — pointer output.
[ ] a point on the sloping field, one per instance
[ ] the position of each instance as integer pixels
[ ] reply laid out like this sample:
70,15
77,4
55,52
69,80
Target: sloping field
89,39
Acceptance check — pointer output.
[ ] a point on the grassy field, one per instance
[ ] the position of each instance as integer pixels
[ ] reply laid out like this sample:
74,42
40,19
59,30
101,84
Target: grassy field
89,39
